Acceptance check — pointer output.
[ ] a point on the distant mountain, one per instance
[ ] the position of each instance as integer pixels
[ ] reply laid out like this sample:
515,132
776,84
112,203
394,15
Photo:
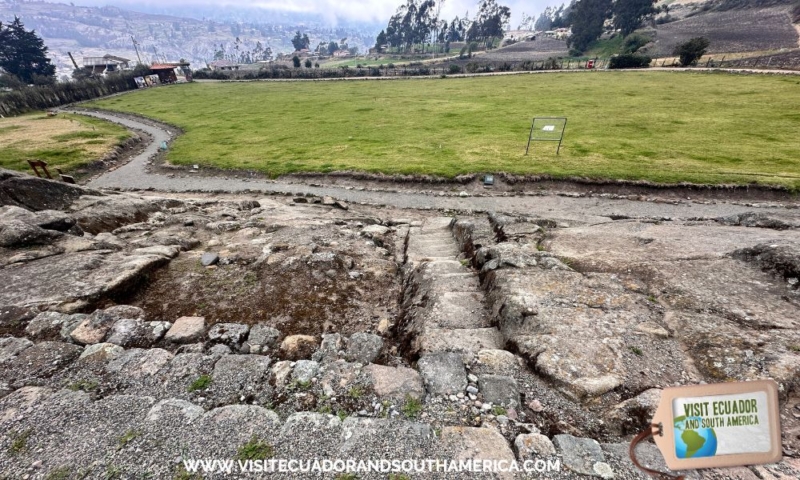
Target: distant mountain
96,31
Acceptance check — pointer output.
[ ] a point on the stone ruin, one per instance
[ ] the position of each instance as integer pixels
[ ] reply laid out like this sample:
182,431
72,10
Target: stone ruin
141,330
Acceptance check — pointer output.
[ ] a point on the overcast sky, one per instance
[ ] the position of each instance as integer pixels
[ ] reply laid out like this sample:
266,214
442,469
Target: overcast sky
360,10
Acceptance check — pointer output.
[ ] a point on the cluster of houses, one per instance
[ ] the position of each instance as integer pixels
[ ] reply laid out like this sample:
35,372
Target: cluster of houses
166,72
319,53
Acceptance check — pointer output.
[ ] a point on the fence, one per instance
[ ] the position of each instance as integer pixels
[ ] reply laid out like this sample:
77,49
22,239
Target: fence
404,71
789,61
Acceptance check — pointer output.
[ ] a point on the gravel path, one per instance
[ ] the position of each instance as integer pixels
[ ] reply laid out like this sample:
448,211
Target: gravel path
133,175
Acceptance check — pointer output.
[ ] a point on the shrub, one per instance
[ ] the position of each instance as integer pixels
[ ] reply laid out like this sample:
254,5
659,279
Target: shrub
630,60
634,42
690,52
42,97
412,407
202,382
308,63
472,67
296,61
255,449
453,69
551,64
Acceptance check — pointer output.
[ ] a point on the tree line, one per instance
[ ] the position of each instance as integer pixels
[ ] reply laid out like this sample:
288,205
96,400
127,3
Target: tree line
419,22
587,19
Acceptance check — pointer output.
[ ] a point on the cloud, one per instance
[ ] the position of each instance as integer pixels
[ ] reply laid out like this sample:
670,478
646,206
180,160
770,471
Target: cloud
377,11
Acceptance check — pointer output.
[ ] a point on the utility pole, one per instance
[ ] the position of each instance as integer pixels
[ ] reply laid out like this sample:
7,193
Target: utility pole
73,60
136,47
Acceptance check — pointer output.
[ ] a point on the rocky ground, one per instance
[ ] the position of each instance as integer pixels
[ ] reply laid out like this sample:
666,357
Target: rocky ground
142,330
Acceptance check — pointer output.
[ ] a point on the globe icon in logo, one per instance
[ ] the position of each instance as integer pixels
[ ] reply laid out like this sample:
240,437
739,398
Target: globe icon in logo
692,442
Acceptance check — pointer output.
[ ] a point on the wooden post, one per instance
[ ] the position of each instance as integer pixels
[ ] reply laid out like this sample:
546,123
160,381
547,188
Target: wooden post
40,164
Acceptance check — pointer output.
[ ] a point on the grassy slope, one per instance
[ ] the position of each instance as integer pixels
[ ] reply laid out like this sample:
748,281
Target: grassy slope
65,141
659,126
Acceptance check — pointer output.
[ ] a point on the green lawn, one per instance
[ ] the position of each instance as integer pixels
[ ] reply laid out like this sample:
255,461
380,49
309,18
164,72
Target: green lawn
659,126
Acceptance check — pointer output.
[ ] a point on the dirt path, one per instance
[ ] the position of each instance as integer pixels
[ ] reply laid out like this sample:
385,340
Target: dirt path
134,175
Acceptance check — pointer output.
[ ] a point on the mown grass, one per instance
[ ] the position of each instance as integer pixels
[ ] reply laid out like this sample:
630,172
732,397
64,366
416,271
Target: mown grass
65,141
658,126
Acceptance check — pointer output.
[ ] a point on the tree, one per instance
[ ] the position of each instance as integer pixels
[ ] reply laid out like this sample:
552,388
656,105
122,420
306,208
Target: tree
629,14
308,63
24,55
296,61
690,51
456,31
490,22
587,22
380,41
300,41
332,47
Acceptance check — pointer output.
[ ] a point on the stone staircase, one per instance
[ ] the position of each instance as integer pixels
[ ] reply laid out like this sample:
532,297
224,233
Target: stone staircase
447,319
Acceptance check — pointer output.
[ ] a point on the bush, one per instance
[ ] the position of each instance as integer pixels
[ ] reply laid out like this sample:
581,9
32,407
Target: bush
308,63
630,60
665,19
690,52
453,69
42,97
634,42
551,64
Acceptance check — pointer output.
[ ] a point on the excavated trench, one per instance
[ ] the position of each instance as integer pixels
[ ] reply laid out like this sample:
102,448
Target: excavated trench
296,289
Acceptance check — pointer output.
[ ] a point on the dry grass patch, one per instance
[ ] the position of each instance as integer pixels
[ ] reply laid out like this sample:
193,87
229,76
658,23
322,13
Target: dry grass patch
65,141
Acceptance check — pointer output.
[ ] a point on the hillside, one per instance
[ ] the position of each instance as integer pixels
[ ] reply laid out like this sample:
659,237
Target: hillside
91,31
731,26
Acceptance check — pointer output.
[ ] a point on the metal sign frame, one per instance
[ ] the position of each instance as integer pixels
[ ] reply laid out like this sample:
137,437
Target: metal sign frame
560,138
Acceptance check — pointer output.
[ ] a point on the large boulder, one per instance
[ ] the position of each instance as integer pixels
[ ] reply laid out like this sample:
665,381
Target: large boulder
71,282
95,214
35,193
16,233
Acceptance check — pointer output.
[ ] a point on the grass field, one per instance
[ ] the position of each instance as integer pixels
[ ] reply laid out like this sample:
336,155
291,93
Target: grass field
658,126
65,141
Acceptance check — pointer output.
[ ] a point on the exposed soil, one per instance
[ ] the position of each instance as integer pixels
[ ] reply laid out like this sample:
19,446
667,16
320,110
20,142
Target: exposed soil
755,30
312,277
